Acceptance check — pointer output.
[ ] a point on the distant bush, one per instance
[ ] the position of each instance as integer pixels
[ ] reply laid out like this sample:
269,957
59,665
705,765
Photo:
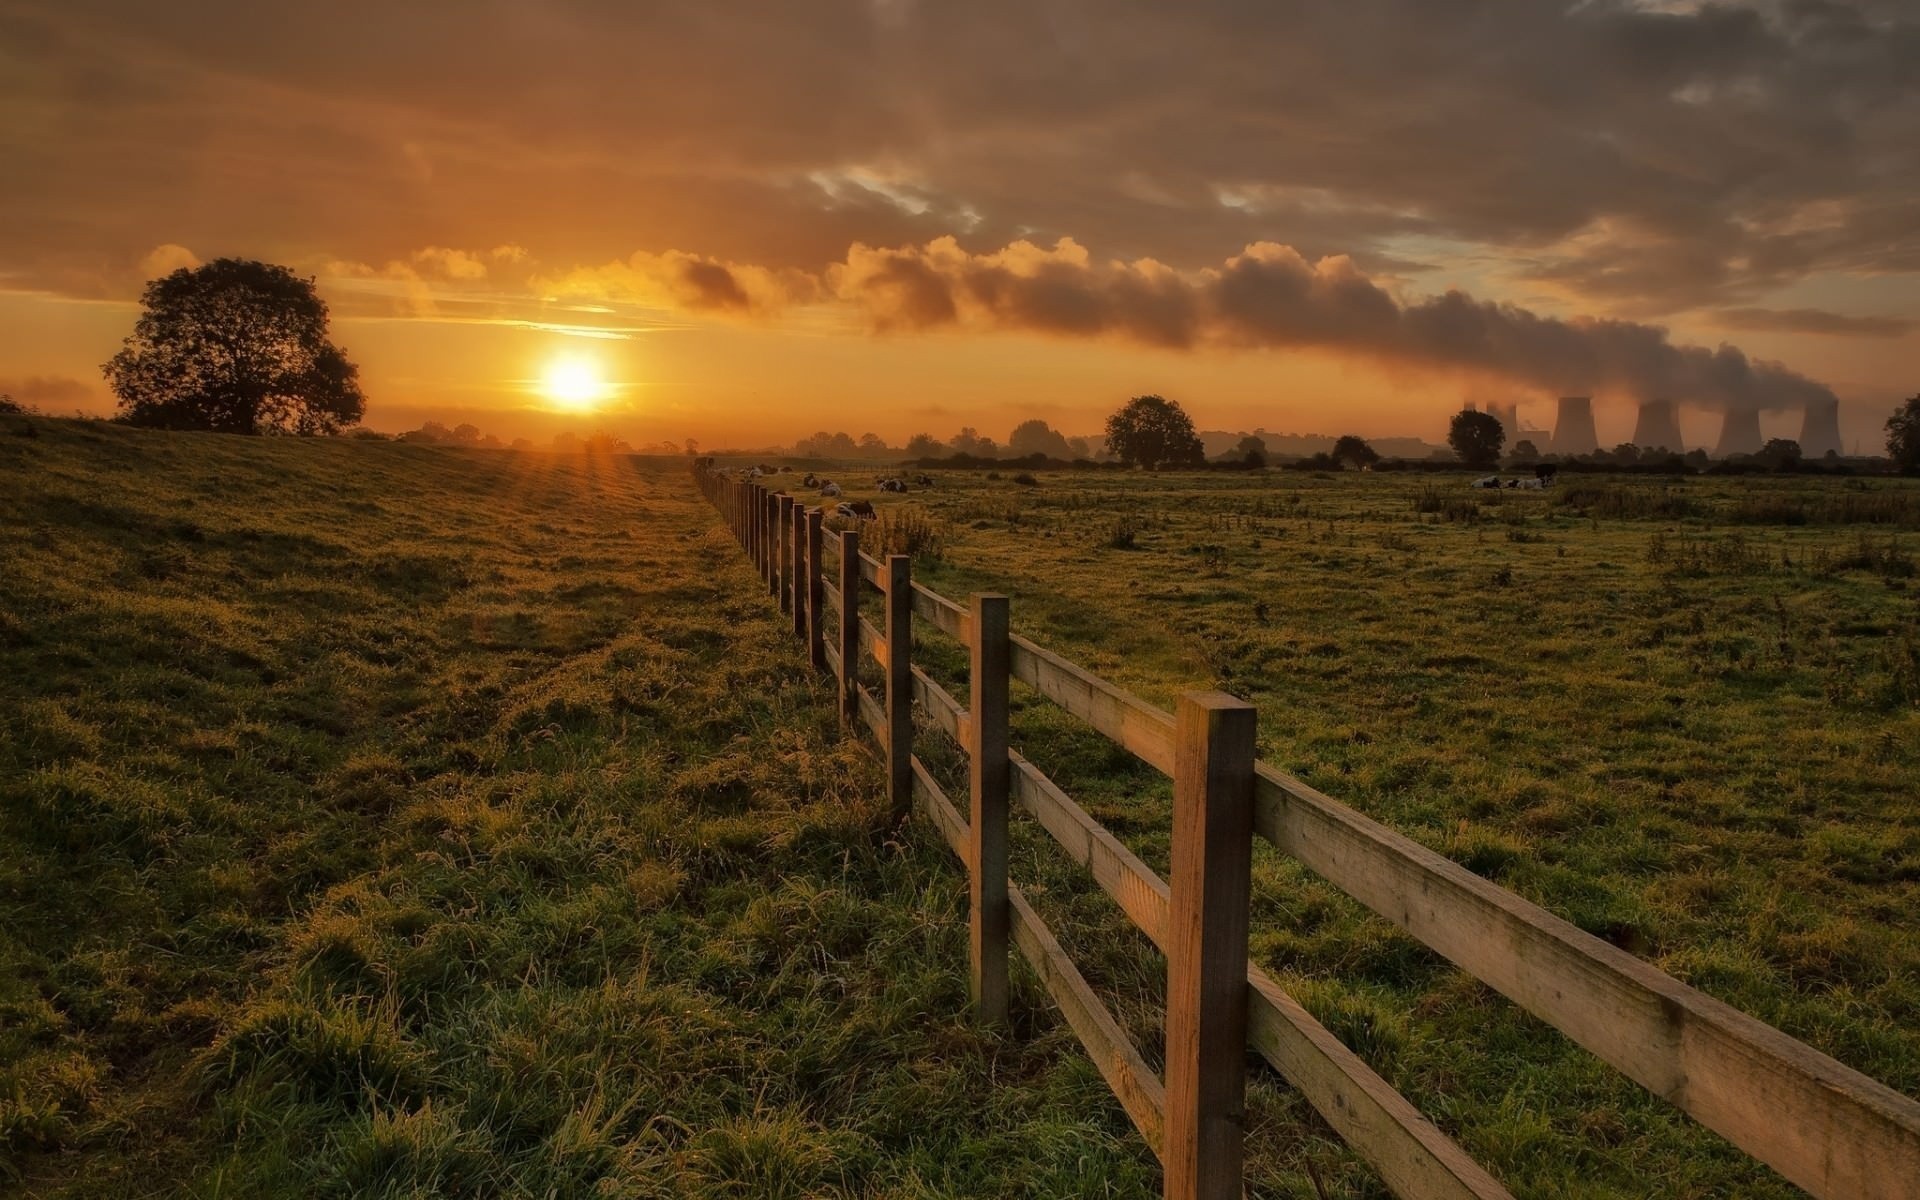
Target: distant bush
1026,480
1448,503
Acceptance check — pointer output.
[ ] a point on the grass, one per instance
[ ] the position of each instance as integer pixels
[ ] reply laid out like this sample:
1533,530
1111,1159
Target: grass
383,820
394,820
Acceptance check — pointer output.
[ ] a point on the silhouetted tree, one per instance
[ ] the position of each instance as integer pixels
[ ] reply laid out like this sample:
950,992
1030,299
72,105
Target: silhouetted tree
235,346
1903,437
1151,431
925,445
1476,438
1354,451
1037,437
873,445
1782,454
9,405
1525,451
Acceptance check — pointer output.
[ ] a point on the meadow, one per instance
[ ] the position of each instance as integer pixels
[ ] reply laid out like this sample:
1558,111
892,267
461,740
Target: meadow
400,820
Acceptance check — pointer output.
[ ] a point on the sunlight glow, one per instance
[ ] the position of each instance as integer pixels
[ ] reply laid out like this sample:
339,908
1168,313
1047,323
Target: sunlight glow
574,383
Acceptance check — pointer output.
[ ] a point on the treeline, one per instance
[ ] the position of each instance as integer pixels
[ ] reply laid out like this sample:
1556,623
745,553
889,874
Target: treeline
434,433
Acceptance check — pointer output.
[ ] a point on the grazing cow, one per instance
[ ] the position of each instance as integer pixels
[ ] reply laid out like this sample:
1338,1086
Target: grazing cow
1545,472
925,481
829,488
1489,481
812,480
1534,484
856,510
1513,483
892,485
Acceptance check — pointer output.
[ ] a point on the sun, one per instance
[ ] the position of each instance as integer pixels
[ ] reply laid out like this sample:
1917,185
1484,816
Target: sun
574,383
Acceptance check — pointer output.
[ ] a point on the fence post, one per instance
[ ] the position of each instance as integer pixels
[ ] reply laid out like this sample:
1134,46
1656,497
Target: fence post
849,627
755,512
816,594
988,775
797,567
1207,947
900,685
770,544
783,561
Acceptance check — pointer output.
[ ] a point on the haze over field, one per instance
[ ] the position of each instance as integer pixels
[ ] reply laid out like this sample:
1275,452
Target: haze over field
744,223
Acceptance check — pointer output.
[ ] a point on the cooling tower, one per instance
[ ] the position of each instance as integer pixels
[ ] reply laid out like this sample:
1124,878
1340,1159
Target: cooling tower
1739,433
1573,431
1820,430
1658,427
1509,417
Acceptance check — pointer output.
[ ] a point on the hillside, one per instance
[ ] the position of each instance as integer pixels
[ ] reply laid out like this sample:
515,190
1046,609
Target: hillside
384,820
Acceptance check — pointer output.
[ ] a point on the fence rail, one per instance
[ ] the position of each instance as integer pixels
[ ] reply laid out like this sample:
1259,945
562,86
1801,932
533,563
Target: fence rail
1826,1127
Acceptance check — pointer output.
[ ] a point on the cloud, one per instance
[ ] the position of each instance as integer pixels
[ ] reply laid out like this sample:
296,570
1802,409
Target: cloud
440,262
1812,320
1637,158
685,282
1272,297
50,392
166,259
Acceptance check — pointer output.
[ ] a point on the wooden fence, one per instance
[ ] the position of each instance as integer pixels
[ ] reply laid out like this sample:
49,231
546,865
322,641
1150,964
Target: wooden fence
1822,1125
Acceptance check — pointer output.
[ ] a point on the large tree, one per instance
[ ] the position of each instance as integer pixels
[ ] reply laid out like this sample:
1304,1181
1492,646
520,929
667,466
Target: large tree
1476,437
1151,431
1354,452
1903,437
235,346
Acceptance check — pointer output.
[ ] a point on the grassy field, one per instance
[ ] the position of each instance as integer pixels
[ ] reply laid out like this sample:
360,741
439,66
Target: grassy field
380,820
392,820
1683,714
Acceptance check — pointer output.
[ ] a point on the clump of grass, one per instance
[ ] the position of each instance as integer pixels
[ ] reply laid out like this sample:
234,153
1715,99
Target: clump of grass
1123,533
1026,479
1886,557
910,530
1615,501
1448,504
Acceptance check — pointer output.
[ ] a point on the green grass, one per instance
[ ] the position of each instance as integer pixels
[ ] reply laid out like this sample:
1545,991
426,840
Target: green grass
392,820
381,820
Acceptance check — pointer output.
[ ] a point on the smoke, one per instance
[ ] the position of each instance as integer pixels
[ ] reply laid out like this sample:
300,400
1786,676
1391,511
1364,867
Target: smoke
1271,297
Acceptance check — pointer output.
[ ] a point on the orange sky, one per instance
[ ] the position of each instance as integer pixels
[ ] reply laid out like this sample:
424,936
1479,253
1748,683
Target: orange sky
852,218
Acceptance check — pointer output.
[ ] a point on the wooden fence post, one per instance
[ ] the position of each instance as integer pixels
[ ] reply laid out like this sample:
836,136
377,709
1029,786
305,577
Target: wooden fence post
756,510
770,544
797,567
783,574
1207,947
849,627
807,614
989,775
900,685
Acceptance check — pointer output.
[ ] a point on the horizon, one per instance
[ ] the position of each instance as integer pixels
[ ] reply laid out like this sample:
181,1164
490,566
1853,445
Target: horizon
851,232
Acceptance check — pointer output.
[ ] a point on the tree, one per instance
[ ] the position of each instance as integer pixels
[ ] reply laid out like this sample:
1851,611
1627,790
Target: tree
872,445
235,346
1525,451
1476,438
1782,454
1903,437
1151,431
925,445
1252,451
1037,437
1354,452
9,405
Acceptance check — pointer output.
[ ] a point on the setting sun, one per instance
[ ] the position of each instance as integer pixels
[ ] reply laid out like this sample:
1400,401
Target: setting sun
574,383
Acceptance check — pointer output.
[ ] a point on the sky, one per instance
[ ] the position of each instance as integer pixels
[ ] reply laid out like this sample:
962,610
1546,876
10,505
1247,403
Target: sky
744,222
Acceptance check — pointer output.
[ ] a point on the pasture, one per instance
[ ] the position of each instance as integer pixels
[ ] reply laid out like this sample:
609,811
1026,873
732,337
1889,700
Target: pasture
396,820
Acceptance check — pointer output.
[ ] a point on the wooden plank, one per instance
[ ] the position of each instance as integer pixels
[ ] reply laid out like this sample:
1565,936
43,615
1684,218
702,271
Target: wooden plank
987,772
1412,1156
1822,1125
942,707
1134,887
874,715
942,613
1410,1153
872,571
849,654
940,810
1134,1084
833,662
1135,725
1207,947
873,642
831,594
797,586
899,689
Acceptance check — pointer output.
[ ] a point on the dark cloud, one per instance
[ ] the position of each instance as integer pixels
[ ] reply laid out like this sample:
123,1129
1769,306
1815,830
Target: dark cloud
1271,297
1812,320
1641,158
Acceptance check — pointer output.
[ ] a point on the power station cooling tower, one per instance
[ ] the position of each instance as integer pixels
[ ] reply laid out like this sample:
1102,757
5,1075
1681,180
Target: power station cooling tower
1820,430
1739,433
1573,431
1658,427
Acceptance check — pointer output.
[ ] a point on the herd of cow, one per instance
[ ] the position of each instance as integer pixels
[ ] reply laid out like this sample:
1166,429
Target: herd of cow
1542,478
853,510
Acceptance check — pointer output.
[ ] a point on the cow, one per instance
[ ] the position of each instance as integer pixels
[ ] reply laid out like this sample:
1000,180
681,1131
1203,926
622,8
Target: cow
829,488
925,481
855,510
1535,483
1489,481
812,480
1545,472
892,485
